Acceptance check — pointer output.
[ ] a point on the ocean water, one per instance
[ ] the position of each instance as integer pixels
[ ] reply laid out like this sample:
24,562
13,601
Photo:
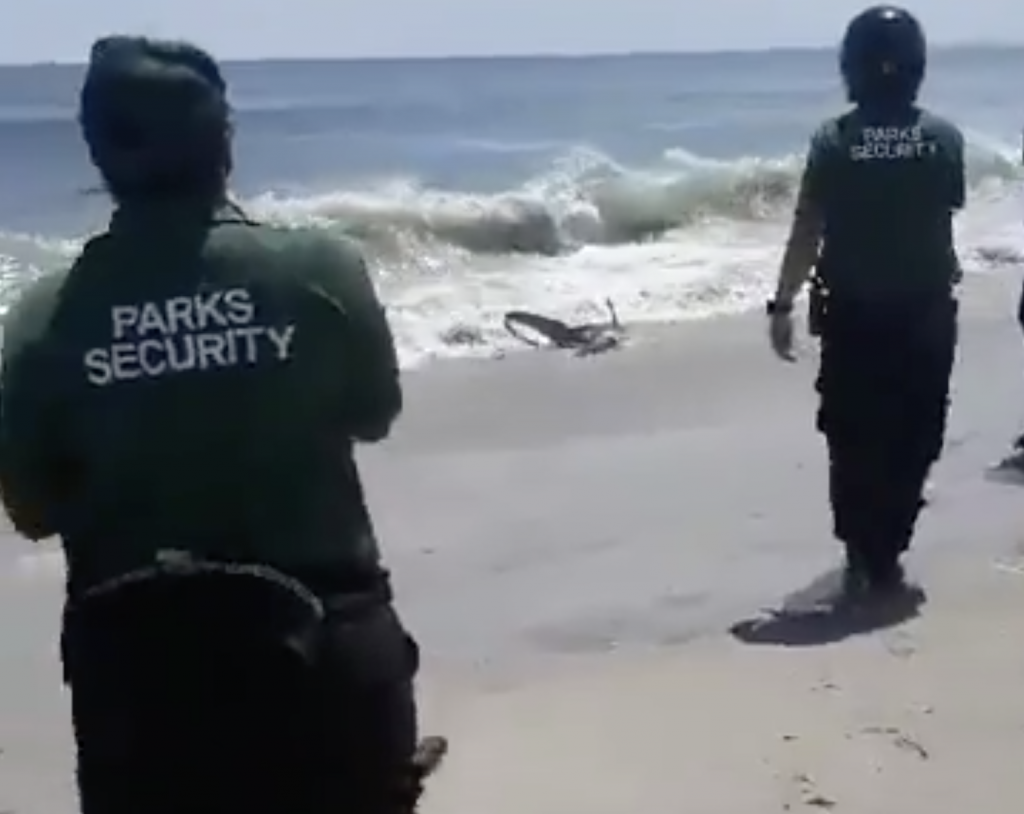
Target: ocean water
475,186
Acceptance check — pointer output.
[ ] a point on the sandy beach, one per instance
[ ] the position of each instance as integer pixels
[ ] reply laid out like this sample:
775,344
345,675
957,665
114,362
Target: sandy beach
924,718
577,543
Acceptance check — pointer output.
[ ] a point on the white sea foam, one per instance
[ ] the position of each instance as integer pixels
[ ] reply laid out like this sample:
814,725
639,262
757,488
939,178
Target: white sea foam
680,239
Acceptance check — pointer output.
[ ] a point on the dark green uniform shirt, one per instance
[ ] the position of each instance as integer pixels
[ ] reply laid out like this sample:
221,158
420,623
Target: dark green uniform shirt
887,185
197,383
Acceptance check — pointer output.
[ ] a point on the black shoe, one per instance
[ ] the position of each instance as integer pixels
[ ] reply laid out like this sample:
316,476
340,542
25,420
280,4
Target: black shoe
887,579
872,574
855,574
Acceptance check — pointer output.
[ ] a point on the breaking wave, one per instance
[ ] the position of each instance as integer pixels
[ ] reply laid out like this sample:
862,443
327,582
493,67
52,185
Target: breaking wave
681,236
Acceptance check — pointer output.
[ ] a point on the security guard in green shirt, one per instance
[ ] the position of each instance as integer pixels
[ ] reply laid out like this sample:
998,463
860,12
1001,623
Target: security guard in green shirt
193,387
874,220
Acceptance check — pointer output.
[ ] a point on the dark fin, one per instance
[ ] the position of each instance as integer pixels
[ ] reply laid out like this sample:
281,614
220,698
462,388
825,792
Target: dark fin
554,330
614,314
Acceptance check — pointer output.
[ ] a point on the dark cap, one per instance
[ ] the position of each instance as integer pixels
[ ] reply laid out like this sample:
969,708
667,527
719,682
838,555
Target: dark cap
150,106
884,55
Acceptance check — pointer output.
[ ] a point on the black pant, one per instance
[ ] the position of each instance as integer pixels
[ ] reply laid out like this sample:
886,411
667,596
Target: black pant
336,734
884,387
1020,309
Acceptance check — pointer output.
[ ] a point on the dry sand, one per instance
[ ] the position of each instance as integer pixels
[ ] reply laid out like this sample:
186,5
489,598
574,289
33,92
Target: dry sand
928,717
573,540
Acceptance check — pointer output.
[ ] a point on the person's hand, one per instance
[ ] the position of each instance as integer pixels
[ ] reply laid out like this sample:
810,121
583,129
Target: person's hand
780,331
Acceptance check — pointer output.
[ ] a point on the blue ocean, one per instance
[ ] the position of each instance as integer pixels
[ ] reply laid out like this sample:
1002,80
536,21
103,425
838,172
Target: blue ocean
662,182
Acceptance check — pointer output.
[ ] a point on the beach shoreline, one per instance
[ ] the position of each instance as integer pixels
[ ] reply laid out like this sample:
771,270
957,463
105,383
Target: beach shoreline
572,541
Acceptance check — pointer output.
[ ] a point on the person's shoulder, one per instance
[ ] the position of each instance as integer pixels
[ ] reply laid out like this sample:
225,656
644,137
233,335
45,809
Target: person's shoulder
318,259
302,249
313,252
829,126
941,127
829,132
932,119
321,248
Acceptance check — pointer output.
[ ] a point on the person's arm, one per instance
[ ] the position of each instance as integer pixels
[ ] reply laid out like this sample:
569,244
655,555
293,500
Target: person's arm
806,230
30,469
373,393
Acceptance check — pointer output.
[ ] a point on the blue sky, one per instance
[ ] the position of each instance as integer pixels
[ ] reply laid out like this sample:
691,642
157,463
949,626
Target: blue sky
61,30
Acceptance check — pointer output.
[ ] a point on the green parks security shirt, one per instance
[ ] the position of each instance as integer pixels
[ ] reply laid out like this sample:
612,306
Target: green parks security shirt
196,382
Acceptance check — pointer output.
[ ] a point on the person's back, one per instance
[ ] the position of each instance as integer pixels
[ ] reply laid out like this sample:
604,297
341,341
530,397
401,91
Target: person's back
890,181
184,402
219,370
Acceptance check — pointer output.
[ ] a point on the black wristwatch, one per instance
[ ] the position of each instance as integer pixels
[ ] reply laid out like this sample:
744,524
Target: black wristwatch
775,308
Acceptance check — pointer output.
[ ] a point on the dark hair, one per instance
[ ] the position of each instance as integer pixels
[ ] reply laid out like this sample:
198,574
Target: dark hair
141,174
156,119
883,57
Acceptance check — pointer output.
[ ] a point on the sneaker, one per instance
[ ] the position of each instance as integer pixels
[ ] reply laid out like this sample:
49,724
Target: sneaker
873,576
855,574
891,579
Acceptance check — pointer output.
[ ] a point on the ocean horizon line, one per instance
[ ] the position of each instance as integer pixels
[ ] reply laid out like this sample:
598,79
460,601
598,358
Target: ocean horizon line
566,56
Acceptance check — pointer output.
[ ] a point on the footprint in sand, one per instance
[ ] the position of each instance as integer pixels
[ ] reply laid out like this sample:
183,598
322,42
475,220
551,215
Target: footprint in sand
808,795
899,739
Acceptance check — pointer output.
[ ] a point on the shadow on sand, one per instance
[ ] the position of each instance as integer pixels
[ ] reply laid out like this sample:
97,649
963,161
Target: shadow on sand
821,614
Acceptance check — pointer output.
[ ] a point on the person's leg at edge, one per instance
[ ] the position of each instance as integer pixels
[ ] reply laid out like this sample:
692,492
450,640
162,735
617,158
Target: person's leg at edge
353,750
138,751
1011,467
919,436
854,416
366,730
854,498
840,420
114,765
